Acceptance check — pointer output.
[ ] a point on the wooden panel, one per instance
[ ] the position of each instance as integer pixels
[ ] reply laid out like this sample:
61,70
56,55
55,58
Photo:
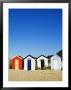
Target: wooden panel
16,64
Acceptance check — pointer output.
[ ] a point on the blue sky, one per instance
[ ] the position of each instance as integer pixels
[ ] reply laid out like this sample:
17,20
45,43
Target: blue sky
35,31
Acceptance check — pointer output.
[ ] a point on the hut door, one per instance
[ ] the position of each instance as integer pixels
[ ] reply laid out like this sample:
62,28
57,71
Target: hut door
42,64
16,64
29,64
55,64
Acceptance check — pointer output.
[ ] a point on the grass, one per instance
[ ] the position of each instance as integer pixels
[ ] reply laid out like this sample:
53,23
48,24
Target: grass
37,75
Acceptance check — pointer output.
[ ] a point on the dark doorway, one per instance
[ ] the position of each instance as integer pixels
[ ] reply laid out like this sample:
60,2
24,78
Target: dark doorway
29,64
42,64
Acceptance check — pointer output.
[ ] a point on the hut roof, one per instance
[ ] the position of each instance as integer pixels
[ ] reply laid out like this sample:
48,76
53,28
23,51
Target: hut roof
17,56
49,56
59,53
42,55
30,56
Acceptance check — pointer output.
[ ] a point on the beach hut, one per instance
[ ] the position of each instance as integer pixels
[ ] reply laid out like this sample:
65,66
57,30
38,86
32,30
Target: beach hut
55,62
60,53
29,63
42,62
17,62
49,61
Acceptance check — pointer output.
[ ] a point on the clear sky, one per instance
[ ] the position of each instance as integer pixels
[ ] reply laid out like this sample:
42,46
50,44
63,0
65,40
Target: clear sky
35,32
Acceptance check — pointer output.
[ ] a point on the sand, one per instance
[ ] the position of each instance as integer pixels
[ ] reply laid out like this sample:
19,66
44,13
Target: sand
37,75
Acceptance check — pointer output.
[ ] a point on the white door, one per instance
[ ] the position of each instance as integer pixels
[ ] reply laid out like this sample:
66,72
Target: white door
55,64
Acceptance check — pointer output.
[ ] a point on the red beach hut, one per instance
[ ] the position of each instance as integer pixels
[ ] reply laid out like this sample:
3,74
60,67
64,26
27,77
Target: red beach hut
17,62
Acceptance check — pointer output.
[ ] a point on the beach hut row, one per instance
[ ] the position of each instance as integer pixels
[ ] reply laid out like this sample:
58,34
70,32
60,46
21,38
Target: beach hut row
53,62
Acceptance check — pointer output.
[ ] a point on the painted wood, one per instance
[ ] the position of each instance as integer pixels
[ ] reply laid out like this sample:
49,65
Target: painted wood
32,62
56,62
16,64
39,61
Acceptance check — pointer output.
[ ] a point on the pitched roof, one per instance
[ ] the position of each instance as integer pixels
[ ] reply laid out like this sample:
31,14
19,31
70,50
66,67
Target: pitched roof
17,56
49,56
41,55
29,56
59,53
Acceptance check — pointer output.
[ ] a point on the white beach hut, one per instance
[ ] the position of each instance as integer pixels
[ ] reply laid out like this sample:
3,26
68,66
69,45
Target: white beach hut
55,62
29,63
42,62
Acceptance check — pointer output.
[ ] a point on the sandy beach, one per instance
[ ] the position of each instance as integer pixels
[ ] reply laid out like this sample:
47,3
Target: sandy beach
37,75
